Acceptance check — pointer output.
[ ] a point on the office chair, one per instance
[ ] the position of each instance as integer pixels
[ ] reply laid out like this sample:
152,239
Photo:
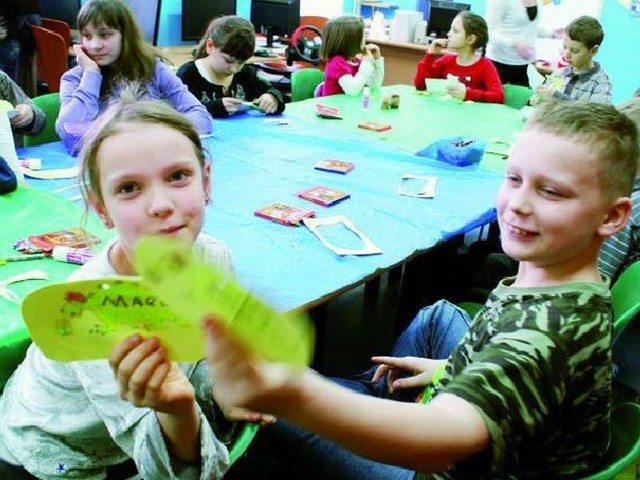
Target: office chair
625,442
51,51
50,104
304,83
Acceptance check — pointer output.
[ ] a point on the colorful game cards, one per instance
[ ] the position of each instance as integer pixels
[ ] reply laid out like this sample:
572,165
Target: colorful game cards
336,166
284,214
323,196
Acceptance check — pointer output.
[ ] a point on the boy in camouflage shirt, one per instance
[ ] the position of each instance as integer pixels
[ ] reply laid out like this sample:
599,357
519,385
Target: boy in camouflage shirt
527,392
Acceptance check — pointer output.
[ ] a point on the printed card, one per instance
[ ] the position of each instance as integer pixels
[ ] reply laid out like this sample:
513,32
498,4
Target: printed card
284,214
323,196
375,126
337,166
327,112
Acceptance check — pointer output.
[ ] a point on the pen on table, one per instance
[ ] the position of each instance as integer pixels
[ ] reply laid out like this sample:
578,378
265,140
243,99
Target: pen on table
22,258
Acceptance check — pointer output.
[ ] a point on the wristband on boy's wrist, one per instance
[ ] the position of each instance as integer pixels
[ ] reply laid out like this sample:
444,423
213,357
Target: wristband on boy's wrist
437,375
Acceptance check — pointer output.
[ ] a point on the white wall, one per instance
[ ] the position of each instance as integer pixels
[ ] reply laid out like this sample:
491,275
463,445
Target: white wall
322,8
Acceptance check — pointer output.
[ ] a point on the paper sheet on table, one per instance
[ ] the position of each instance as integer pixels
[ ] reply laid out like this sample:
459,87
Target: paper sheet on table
427,190
51,174
368,247
85,320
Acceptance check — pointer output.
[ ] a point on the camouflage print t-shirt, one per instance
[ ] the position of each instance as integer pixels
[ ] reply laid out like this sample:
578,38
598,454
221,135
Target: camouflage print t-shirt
536,363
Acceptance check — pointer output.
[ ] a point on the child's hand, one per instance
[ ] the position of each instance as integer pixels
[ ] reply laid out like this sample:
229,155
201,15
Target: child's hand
373,49
457,90
146,377
545,90
24,116
524,50
232,105
267,103
438,46
237,414
240,379
84,60
421,370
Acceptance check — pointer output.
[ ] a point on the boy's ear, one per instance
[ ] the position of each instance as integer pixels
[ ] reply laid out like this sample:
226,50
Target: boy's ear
616,217
594,50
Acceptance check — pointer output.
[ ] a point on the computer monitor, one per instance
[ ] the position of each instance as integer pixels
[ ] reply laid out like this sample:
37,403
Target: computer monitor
275,17
147,14
441,14
65,10
196,15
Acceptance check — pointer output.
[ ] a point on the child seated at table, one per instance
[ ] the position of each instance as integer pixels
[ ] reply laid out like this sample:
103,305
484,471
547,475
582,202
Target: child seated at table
527,391
476,77
28,119
219,76
583,78
350,63
113,51
145,173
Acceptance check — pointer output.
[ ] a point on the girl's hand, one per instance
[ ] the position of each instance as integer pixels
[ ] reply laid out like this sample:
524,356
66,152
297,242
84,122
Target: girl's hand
84,60
267,103
24,116
457,90
232,105
238,377
420,370
146,377
438,46
374,50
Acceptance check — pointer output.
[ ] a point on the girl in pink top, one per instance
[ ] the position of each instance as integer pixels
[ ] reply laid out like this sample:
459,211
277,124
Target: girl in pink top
350,64
478,78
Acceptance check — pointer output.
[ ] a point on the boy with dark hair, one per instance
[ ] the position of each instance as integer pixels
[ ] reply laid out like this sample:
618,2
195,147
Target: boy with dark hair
582,78
527,391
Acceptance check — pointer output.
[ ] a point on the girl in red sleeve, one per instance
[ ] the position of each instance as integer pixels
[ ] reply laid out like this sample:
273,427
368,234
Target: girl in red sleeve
478,78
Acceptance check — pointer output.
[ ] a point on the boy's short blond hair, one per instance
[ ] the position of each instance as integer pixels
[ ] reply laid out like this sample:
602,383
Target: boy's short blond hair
609,134
586,30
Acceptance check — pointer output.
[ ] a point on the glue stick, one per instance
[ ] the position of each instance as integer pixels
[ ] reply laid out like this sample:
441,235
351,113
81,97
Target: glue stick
366,93
72,255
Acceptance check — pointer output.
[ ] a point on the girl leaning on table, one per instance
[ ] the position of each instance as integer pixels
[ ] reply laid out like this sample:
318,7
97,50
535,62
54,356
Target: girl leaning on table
219,76
477,77
113,50
145,173
350,63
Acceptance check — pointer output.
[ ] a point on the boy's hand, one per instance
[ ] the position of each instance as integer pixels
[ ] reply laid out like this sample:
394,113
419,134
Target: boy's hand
438,46
421,370
373,49
146,377
239,378
84,60
545,90
24,116
232,105
267,103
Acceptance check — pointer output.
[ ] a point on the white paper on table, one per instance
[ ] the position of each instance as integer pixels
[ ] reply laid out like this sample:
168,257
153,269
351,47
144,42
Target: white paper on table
369,248
428,190
51,174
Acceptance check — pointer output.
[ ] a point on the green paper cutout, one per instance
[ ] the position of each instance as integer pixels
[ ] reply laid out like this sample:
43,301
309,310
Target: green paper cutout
85,320
194,289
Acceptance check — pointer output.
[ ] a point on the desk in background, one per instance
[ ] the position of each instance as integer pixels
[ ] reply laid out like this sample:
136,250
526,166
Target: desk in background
400,60
420,120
